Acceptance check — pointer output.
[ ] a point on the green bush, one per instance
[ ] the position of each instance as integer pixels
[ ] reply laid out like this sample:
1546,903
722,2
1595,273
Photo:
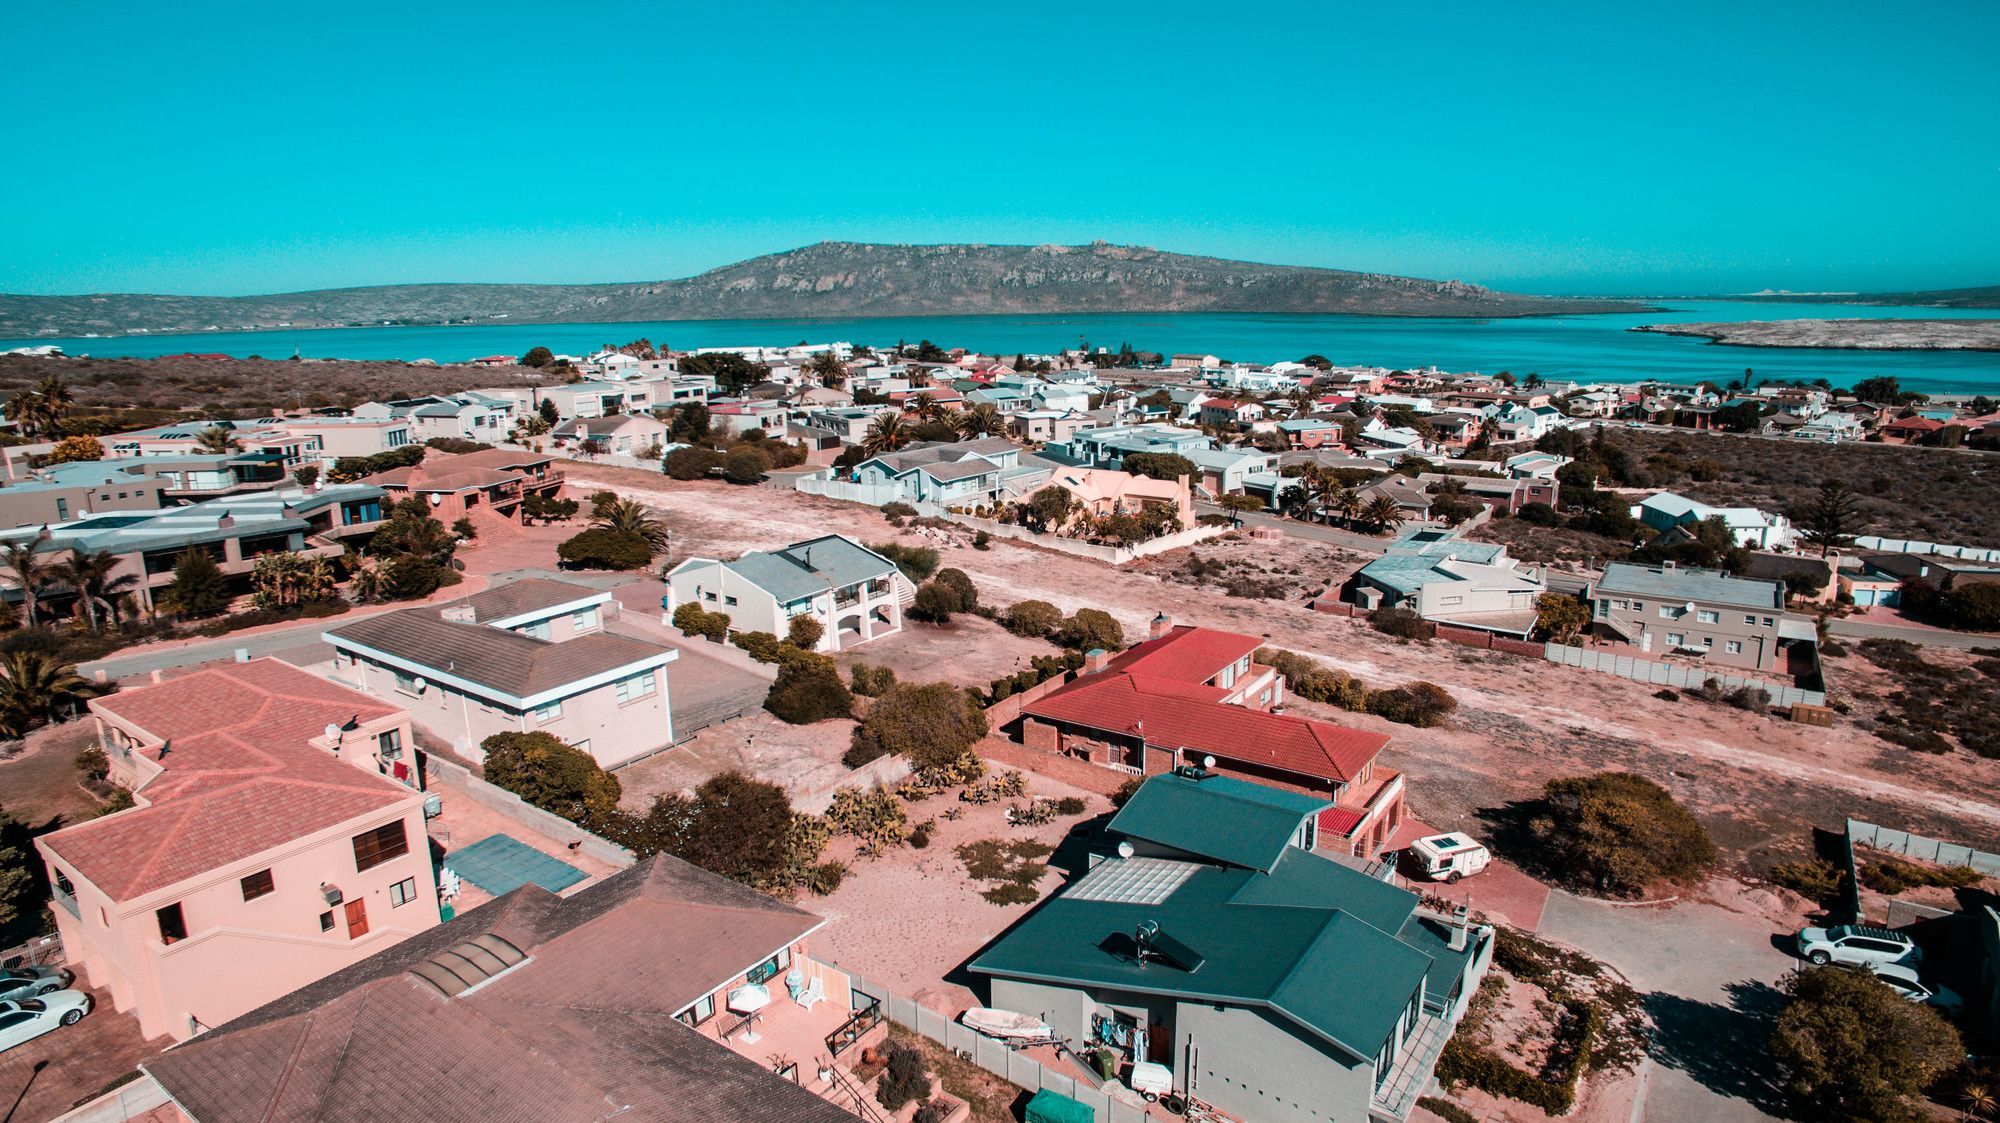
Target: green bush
1033,618
826,877
762,646
871,681
1126,791
916,562
930,725
897,509
808,689
554,776
934,603
744,465
1618,833
904,1079
1815,879
1091,628
1893,875
1071,805
1309,680
805,632
1446,1110
1422,704
694,463
602,548
1848,1047
1401,623
694,620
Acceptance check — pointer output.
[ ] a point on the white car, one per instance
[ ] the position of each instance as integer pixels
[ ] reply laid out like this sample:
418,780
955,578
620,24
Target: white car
32,1017
1856,945
1902,979
1448,857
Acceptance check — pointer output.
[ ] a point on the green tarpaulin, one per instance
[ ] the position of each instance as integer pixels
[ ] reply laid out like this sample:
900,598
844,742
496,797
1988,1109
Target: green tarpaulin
1047,1107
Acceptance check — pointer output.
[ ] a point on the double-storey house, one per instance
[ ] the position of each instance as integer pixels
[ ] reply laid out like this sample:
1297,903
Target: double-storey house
1728,621
267,845
854,593
1272,982
493,480
963,472
623,434
532,656
1750,527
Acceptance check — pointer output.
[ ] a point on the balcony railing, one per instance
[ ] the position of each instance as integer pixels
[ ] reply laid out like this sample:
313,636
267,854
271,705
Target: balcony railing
854,1028
67,901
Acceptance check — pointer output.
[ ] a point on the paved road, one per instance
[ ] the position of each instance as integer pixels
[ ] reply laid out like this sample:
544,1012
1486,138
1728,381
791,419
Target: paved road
1709,980
299,644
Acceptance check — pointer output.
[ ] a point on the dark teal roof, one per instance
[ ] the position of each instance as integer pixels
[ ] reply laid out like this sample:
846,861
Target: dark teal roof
1226,820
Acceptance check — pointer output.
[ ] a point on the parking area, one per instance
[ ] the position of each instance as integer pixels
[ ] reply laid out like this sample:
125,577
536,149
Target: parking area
71,1064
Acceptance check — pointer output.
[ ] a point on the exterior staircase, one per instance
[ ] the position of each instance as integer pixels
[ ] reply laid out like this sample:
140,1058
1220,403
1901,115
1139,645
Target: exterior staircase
492,525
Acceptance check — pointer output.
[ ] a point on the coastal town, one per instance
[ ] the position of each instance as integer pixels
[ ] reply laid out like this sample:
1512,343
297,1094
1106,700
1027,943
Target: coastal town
904,732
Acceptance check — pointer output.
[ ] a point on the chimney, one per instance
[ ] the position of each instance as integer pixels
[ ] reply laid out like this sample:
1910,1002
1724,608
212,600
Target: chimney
1460,928
1162,624
1667,566
158,676
1095,660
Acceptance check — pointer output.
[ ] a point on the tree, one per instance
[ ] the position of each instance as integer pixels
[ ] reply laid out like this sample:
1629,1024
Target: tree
1833,518
216,439
1972,606
1033,618
887,433
1090,628
930,725
77,449
1881,391
1049,509
30,574
550,774
1381,513
35,688
198,588
695,463
52,401
732,372
1619,833
18,885
602,548
1160,465
538,357
91,577
744,465
690,423
827,368
414,551
916,562
982,419
741,829
934,603
629,516
808,689
546,509
1849,1047
306,474
547,411
1560,617
1317,362
804,632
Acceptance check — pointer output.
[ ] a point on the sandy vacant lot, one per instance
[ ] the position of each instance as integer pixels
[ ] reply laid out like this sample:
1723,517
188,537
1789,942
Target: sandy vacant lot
1758,783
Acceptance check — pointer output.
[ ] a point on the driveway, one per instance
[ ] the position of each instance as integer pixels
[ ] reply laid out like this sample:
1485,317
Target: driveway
1709,979
70,1064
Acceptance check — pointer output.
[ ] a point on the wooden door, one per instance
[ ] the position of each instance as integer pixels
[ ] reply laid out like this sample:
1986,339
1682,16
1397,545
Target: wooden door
357,919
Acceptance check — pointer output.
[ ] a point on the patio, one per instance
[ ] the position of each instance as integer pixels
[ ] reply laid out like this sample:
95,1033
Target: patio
792,1040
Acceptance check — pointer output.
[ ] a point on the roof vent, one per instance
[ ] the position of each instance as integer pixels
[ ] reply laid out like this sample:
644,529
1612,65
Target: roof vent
467,965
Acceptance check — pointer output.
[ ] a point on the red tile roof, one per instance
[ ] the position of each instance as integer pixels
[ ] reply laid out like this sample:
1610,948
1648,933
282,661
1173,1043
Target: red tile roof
1186,654
1182,715
240,777
1340,822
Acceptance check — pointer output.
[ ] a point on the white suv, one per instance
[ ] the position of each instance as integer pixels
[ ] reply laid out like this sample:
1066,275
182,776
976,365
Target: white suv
1856,946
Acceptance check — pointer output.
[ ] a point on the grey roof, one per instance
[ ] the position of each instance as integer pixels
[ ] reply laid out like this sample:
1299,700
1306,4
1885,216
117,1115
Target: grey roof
515,666
529,594
1704,586
809,568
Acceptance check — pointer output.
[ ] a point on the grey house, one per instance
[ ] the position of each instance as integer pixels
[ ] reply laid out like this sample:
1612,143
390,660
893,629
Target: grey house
1723,620
1275,984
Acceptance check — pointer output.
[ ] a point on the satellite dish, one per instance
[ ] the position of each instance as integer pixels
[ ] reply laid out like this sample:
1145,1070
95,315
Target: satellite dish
333,732
1125,850
1208,762
420,683
437,498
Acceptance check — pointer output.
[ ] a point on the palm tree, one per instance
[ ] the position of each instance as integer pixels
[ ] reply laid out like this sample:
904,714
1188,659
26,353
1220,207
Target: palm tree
54,400
24,409
90,576
925,406
215,439
1381,513
827,367
886,433
364,577
1348,505
316,579
29,573
35,688
978,421
631,517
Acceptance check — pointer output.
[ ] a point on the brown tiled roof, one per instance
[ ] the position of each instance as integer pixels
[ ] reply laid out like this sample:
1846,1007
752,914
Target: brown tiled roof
485,468
584,1029
511,663
240,777
529,594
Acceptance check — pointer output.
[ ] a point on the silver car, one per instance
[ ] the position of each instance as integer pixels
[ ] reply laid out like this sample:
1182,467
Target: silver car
17,983
1903,979
1856,945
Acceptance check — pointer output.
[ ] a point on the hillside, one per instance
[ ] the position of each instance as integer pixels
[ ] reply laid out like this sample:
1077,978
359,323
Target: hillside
831,279
1853,335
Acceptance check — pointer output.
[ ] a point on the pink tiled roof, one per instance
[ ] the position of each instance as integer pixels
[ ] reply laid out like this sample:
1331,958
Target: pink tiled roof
239,775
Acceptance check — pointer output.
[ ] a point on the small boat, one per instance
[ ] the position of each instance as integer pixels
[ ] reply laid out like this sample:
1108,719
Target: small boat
1007,1025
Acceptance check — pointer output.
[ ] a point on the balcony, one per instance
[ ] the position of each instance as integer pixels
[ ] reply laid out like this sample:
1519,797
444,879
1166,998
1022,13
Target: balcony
786,1037
66,900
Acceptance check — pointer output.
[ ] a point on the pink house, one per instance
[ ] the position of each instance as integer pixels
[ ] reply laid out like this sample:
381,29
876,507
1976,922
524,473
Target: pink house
1100,492
528,656
269,845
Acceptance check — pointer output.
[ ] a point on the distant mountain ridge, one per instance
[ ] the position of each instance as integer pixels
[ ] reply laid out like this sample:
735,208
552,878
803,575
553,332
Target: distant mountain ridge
830,280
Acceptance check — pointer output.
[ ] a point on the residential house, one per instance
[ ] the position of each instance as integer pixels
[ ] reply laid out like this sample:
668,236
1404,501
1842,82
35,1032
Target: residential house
1449,580
1309,432
62,492
520,658
962,473
1194,362
854,593
625,434
1230,412
491,481
738,416
233,532
1725,621
1503,496
1411,497
1752,528
265,847
1228,471
1808,578
1883,576
1913,430
1101,492
352,436
1273,983
849,423
622,1000
1187,694
1526,423
596,398
469,416
1534,465
1046,426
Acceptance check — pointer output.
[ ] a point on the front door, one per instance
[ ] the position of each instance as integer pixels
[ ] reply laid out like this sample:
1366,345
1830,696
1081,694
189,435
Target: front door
357,919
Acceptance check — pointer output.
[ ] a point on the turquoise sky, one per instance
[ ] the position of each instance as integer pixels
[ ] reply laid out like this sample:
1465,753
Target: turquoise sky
1591,147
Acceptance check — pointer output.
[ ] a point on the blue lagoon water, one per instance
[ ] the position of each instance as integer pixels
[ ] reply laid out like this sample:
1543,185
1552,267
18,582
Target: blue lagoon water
1585,348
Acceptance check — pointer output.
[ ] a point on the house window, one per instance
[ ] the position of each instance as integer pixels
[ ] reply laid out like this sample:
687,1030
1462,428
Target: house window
584,619
257,885
1734,647
1707,617
1768,621
710,597
1666,612
1674,639
536,631
1708,641
326,921
1752,621
389,744
701,1011
383,844
638,686
403,892
405,682
769,969
727,600
173,926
